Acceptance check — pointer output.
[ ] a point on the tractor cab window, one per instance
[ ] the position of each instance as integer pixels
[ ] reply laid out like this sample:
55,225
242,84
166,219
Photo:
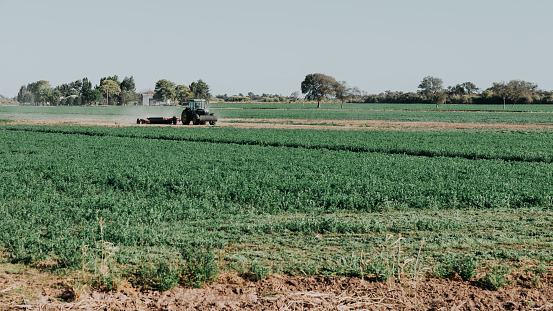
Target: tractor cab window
197,104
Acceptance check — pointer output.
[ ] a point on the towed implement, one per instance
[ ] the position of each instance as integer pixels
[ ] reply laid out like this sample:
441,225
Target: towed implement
196,112
158,120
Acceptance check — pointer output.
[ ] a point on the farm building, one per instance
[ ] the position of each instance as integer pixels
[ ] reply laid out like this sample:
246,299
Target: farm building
148,100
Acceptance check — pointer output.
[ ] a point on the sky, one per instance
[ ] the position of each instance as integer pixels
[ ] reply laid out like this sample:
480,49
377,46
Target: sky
269,46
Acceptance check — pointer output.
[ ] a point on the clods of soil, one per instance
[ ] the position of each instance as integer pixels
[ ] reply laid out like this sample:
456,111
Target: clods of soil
305,293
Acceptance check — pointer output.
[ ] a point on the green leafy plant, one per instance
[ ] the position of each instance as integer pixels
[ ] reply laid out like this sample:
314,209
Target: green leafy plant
464,266
497,278
256,272
198,268
159,274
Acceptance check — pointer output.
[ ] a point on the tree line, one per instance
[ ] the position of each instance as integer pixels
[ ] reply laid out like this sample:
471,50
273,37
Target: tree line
320,87
80,92
166,90
110,91
315,87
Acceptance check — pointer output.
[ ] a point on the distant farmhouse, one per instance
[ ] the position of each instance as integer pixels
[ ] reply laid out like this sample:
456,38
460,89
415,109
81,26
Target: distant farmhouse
148,100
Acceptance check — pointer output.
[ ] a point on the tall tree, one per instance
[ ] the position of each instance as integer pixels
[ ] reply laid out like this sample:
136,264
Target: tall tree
183,94
519,89
128,91
94,96
165,90
128,84
469,88
25,95
109,87
318,86
84,91
432,88
200,89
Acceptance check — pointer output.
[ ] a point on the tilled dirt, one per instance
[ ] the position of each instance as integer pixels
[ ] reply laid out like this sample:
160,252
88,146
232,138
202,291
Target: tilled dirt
315,124
297,293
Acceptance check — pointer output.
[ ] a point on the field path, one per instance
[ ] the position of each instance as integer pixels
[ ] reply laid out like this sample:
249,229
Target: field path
309,124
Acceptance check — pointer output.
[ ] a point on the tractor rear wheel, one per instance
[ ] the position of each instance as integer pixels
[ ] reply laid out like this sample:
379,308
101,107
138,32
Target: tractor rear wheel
185,117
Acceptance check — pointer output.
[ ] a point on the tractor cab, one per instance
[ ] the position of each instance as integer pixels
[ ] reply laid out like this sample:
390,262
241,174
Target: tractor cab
198,106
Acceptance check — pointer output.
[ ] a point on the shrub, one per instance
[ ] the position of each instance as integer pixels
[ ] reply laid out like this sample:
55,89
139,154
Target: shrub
497,278
199,267
464,266
158,274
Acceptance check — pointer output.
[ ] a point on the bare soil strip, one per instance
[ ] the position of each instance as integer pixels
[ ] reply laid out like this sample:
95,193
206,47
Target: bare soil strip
39,292
371,125
366,125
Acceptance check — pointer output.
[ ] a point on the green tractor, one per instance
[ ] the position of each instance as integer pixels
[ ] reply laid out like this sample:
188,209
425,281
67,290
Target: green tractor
197,113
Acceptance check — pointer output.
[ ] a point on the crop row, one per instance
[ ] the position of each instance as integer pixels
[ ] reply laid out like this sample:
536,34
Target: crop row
271,179
507,146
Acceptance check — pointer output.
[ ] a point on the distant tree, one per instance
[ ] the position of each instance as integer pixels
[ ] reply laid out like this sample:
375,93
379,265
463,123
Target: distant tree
164,90
200,89
223,97
84,91
128,97
342,92
114,78
295,96
318,86
109,87
56,98
469,88
432,88
128,84
514,91
501,89
519,89
94,96
25,96
182,94
128,94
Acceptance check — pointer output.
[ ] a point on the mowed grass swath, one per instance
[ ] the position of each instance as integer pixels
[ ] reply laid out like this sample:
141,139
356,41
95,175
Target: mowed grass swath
292,201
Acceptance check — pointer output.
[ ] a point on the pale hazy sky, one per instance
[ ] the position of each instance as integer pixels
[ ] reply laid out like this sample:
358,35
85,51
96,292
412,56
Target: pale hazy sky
269,46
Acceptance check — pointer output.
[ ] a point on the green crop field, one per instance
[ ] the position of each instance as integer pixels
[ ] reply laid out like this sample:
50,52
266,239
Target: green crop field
310,202
539,114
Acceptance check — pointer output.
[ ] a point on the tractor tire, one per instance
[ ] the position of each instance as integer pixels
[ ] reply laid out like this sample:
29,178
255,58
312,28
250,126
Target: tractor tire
185,117
212,122
196,120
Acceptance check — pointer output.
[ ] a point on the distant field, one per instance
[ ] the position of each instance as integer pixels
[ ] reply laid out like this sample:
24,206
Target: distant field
371,106
385,112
